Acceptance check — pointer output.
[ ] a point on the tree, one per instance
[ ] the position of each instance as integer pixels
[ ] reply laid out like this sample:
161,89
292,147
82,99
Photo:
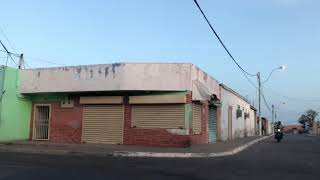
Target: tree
308,117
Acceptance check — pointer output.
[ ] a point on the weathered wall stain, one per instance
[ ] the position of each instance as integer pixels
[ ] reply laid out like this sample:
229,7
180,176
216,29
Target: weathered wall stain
114,66
99,72
79,70
91,73
120,76
106,71
38,74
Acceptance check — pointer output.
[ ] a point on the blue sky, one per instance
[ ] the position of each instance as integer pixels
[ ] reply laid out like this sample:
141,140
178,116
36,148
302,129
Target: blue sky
260,34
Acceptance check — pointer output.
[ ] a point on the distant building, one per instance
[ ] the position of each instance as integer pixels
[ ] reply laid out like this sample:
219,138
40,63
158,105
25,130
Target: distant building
293,128
238,117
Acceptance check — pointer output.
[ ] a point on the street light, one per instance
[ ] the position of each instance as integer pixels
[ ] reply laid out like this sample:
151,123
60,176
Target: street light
259,89
277,68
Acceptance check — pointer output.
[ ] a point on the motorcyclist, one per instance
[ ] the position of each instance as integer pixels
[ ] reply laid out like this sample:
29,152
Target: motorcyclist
278,131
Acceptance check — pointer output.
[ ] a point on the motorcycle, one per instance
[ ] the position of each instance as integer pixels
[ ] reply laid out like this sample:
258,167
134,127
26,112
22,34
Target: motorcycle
279,135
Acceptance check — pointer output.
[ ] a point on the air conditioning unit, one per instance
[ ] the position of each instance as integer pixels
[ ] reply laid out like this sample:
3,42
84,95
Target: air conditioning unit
238,113
246,115
67,103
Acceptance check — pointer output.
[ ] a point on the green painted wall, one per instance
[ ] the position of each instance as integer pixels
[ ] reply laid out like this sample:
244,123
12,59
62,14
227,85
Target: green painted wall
15,110
2,69
187,116
47,97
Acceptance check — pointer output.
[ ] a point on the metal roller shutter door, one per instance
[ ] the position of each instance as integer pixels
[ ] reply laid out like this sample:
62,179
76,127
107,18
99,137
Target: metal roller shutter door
212,124
170,116
196,118
102,124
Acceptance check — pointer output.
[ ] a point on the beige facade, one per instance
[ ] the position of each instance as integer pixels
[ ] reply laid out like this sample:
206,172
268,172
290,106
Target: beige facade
120,77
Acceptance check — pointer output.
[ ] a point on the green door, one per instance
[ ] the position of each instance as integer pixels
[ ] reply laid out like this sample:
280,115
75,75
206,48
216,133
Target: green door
212,124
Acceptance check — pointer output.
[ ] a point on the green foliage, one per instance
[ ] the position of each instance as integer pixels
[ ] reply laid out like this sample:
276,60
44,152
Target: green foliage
308,117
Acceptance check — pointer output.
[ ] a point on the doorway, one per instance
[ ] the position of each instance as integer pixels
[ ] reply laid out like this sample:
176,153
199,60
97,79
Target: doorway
212,124
41,122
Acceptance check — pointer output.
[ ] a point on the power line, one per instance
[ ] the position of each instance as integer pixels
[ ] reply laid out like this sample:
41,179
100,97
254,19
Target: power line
293,98
265,101
221,42
288,111
250,81
9,54
34,59
5,36
15,54
27,65
43,60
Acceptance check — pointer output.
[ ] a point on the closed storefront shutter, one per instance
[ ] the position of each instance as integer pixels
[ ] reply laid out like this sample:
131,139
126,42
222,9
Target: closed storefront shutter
212,124
196,118
168,116
102,124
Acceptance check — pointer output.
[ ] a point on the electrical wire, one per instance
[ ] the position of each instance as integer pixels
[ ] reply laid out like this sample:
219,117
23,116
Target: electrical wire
265,101
34,59
9,54
43,60
250,81
27,65
315,99
7,39
221,42
288,111
15,54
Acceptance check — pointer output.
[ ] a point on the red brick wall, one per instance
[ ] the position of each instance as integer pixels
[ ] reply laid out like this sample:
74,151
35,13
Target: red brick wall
66,127
65,123
203,137
188,98
150,137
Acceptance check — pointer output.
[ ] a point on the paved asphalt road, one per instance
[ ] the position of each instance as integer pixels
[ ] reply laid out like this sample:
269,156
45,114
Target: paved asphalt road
297,157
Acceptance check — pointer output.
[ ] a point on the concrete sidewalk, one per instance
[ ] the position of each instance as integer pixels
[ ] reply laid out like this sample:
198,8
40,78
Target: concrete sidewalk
205,150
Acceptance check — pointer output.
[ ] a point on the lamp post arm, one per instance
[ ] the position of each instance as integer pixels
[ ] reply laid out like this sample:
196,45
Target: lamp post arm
269,75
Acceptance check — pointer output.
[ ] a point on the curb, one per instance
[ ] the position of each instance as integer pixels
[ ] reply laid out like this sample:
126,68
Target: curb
311,135
187,155
53,151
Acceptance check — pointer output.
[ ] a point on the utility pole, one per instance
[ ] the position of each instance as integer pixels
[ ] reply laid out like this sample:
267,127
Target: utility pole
272,113
259,102
21,61
272,116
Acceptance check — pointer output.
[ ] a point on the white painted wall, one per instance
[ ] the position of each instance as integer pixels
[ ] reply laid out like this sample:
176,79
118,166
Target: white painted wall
121,76
239,125
251,123
270,127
